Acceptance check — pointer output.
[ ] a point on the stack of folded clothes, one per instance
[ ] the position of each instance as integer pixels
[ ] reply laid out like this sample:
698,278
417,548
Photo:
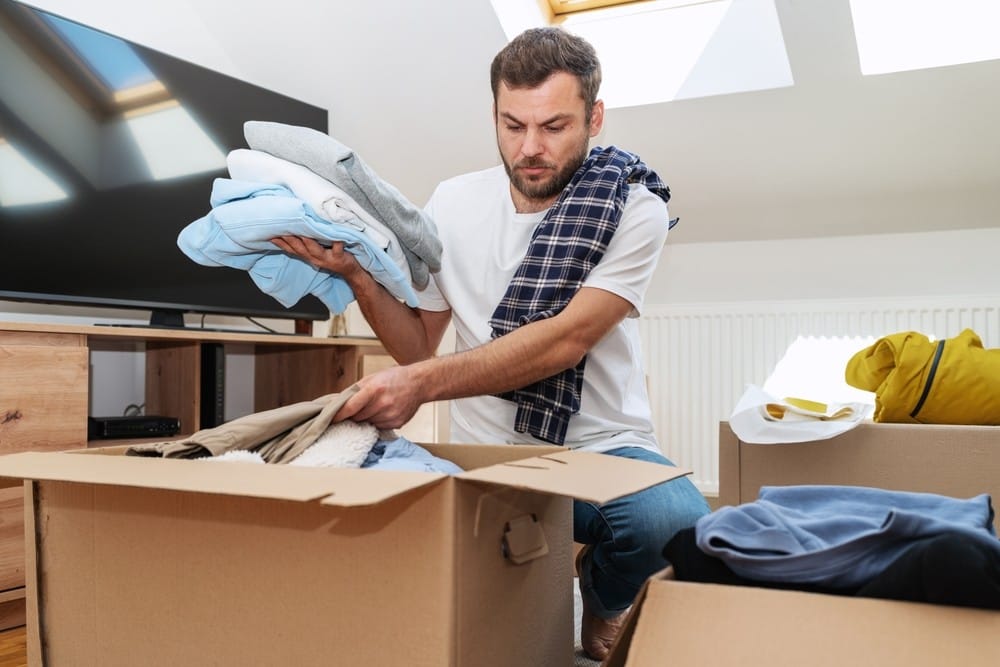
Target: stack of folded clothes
297,181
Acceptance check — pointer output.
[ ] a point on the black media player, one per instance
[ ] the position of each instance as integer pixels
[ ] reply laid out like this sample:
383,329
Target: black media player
146,426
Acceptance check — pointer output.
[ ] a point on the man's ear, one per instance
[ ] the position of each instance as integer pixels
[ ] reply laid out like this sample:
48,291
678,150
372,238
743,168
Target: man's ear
597,118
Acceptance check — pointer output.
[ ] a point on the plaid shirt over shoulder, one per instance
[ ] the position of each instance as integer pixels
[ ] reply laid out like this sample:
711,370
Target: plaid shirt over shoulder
569,241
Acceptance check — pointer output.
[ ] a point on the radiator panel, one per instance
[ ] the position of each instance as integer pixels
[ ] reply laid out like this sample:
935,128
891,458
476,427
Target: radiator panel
700,357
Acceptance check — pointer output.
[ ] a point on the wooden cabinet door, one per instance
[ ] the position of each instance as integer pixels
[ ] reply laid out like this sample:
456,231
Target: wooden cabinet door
43,394
43,406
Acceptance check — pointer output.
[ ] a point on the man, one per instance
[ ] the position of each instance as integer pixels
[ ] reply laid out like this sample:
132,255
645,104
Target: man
531,367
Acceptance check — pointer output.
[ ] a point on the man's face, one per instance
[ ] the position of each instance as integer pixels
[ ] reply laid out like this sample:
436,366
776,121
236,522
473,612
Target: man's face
543,136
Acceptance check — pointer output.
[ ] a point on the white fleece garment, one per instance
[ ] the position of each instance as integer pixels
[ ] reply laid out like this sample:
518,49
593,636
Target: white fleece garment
345,444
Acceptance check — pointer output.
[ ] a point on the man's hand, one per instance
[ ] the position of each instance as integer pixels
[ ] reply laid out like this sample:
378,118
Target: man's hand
387,399
333,259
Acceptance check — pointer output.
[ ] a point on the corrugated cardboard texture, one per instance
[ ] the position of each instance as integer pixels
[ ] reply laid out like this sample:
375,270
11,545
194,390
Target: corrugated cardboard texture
152,577
682,623
513,614
957,461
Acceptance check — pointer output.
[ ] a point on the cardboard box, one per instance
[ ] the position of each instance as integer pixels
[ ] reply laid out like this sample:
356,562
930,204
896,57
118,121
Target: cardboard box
957,461
175,562
684,623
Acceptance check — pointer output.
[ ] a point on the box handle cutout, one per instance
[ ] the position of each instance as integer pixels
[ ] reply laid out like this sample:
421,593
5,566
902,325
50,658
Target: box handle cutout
523,540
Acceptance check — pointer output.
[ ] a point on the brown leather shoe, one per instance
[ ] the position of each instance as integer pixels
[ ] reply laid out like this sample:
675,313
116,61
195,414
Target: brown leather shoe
596,634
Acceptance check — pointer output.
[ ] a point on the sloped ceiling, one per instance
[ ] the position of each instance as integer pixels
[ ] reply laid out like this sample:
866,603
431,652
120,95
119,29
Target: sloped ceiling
407,87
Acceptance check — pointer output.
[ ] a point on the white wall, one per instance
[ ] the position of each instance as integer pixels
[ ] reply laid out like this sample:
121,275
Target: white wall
887,265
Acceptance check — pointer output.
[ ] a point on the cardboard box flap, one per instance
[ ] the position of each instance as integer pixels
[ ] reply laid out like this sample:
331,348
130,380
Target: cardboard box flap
254,480
370,487
583,475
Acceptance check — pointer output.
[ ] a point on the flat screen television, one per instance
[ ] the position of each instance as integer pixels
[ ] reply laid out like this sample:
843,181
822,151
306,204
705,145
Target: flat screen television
107,150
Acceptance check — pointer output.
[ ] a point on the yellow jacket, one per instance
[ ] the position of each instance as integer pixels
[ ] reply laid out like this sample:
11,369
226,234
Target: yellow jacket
950,381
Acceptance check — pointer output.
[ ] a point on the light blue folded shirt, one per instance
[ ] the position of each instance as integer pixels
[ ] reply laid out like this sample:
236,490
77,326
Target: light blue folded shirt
836,536
403,454
237,233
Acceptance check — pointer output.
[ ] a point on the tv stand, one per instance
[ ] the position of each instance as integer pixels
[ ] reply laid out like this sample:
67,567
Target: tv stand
198,330
45,385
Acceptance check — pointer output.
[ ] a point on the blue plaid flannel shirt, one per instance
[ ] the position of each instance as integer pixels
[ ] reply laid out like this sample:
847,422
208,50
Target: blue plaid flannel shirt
569,241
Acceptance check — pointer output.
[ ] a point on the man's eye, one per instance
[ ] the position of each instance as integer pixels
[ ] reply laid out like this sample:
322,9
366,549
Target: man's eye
515,128
554,128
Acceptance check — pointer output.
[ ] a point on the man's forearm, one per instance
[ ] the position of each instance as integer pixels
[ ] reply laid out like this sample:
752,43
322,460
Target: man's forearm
526,355
397,326
530,353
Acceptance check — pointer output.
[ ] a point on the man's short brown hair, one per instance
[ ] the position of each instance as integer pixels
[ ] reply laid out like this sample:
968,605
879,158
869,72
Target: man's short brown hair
538,53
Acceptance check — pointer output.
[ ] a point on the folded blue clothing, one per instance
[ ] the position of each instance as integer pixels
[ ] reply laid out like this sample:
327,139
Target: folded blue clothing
284,279
237,233
402,454
225,190
837,536
204,240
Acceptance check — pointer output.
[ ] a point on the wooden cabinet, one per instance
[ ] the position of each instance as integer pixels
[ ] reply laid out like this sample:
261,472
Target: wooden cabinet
45,384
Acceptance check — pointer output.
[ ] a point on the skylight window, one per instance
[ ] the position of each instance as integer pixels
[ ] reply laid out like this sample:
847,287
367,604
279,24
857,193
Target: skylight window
902,35
660,50
560,7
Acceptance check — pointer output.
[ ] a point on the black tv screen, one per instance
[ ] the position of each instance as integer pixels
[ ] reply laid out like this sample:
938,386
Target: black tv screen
107,150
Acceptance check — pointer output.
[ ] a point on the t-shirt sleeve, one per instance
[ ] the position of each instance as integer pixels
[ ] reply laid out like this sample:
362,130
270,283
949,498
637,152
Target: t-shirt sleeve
430,298
631,257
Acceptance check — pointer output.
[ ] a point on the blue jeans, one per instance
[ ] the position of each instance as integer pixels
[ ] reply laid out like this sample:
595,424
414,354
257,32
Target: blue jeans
628,535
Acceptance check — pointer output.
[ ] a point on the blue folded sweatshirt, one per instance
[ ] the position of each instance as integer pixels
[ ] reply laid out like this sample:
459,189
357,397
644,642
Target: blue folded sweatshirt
837,536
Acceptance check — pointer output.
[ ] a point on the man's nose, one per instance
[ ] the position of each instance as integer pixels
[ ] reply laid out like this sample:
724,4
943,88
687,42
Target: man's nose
532,144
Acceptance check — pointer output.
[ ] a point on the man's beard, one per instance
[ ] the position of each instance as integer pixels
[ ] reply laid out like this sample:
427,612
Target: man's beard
546,187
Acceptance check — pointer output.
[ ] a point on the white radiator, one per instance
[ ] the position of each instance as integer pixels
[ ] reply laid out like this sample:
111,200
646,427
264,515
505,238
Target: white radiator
700,357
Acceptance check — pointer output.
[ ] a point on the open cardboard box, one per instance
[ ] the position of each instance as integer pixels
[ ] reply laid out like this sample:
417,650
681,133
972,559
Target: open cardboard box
134,560
957,461
684,623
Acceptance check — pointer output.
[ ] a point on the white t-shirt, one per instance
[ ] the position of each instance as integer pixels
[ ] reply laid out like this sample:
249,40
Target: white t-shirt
484,241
